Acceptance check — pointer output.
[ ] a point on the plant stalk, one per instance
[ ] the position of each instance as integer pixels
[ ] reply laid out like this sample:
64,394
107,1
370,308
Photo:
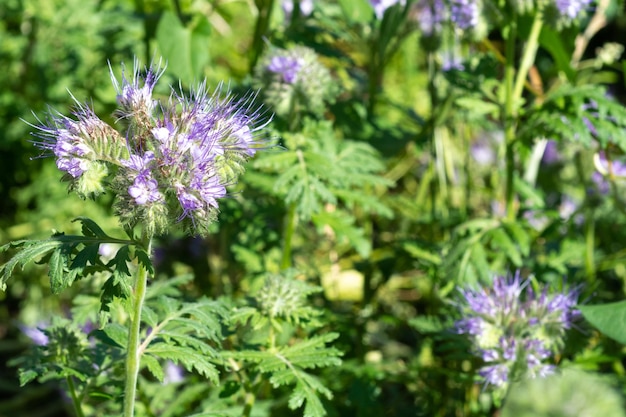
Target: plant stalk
290,223
133,357
75,400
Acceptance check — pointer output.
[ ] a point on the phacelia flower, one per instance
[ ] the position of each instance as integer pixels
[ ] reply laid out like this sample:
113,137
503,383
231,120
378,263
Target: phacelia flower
35,334
287,66
380,6
515,330
432,16
79,146
172,160
570,9
464,14
293,80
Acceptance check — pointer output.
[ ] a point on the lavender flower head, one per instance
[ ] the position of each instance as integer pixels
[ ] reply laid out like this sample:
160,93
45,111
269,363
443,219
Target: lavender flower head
465,14
570,9
294,80
432,16
171,161
380,6
286,66
515,330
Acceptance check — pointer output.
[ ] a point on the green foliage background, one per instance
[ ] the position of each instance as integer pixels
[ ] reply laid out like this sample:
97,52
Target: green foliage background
389,222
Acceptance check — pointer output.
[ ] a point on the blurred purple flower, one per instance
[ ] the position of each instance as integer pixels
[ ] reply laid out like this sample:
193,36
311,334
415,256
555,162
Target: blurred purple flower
305,7
483,152
551,153
606,171
173,373
570,9
432,15
380,6
464,13
287,66
511,327
35,334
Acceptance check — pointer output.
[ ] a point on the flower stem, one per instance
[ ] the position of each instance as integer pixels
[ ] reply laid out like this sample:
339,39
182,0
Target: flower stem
75,400
133,357
290,223
514,85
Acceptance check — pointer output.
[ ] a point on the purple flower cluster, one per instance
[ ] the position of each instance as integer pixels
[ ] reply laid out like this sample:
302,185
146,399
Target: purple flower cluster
464,13
514,329
606,171
173,161
75,143
287,66
432,16
570,9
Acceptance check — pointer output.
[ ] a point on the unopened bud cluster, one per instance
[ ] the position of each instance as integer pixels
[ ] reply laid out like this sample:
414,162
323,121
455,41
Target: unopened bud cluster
169,163
514,329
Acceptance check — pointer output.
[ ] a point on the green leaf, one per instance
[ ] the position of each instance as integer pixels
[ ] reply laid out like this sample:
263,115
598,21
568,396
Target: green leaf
187,357
30,250
90,228
153,366
551,40
610,319
344,228
357,11
185,48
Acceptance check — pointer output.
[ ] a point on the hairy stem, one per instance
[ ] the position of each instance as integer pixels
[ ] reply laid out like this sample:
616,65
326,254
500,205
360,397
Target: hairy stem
75,400
133,357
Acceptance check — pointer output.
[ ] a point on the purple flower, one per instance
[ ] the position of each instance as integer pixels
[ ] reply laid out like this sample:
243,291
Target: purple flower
570,9
513,329
380,6
286,66
305,7
135,94
464,13
551,153
145,190
606,171
432,15
173,373
74,143
35,334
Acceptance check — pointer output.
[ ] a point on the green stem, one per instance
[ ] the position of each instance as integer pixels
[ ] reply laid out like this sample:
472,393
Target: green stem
261,28
514,86
75,400
530,52
290,223
133,357
590,228
509,119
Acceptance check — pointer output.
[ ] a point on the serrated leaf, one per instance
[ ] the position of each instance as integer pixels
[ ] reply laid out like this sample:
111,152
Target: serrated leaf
29,251
90,228
60,277
144,260
187,357
153,366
